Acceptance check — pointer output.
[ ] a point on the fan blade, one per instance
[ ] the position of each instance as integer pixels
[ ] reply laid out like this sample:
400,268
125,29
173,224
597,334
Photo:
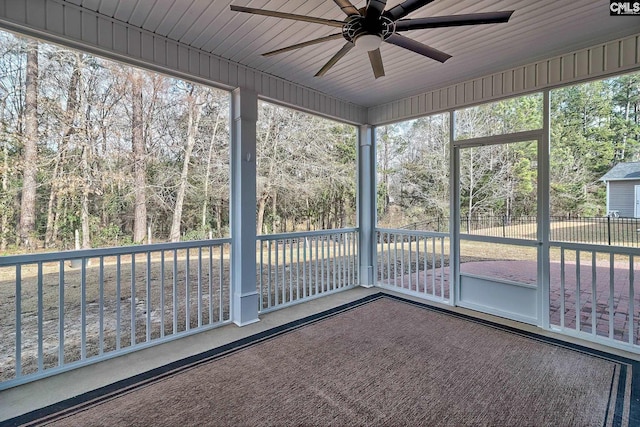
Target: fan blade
454,20
374,9
335,58
376,63
405,8
347,7
304,44
418,47
283,15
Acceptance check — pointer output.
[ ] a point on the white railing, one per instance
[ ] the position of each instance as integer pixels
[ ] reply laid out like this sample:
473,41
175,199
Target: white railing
67,309
593,293
414,262
296,267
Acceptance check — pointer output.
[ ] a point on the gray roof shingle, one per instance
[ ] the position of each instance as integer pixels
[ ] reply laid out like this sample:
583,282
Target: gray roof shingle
623,171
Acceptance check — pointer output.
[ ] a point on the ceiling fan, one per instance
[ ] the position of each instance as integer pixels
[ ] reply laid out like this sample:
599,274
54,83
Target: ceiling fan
366,28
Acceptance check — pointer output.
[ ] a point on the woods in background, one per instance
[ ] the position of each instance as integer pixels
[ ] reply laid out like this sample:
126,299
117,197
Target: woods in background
593,127
122,155
119,153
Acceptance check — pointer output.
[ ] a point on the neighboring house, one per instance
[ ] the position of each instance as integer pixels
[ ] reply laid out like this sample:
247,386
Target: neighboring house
623,189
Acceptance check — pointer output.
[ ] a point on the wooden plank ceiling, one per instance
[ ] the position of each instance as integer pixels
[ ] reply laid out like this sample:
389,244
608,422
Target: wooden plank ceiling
537,30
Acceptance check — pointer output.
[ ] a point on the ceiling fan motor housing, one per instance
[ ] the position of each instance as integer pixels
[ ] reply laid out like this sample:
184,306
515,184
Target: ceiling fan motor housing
357,26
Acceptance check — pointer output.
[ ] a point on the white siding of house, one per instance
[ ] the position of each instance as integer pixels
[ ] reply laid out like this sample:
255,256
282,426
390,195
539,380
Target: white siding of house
622,197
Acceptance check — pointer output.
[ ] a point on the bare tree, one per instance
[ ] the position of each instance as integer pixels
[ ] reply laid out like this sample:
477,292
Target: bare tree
5,200
30,145
69,116
139,158
207,178
194,113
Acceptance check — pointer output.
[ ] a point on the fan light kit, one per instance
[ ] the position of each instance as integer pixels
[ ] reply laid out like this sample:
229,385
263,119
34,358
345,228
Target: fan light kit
368,42
366,28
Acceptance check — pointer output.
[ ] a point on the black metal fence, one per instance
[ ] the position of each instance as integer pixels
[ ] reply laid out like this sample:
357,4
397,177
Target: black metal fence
595,230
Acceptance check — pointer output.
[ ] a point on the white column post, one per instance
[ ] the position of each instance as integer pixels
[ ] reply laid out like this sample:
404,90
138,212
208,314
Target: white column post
244,295
544,206
367,204
454,214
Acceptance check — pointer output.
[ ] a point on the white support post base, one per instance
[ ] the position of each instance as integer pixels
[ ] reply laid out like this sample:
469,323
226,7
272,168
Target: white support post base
245,312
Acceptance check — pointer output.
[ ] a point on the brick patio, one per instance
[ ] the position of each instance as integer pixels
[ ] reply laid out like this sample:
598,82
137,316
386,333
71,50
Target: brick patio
525,272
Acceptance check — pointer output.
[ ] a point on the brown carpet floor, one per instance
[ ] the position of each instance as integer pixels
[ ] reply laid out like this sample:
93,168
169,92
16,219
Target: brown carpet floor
383,362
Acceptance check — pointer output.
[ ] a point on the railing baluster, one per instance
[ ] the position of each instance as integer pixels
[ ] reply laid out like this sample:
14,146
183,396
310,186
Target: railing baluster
162,302
345,258
187,291
297,268
269,274
418,264
199,286
314,281
221,285
83,309
632,310
118,301
611,292
426,266
578,297
133,299
442,268
339,261
349,255
388,282
175,291
276,280
395,260
327,263
562,288
261,276
409,273
402,256
304,269
333,259
356,258
290,269
18,363
324,269
284,271
210,283
101,306
148,297
433,262
61,312
40,319
594,294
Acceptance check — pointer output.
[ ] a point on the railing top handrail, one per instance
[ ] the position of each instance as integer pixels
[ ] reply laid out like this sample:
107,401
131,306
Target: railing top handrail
10,260
412,232
617,250
302,234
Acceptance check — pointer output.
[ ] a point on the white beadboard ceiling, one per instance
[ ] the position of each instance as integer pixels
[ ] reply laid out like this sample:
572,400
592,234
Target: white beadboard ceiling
538,29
